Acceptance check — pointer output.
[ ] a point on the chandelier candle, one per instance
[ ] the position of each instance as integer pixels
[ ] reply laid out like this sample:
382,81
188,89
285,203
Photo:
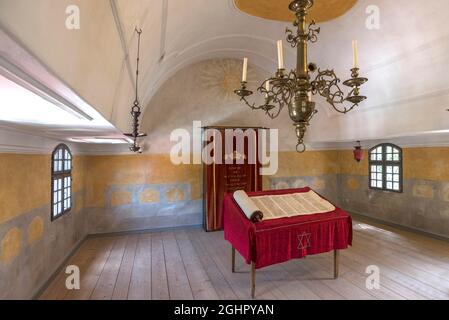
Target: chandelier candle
280,55
245,70
296,88
355,51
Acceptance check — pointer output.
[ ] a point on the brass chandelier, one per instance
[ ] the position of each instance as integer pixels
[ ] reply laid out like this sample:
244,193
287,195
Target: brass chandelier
296,88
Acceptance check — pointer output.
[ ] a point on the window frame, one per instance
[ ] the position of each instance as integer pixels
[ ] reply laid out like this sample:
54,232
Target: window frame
386,163
61,175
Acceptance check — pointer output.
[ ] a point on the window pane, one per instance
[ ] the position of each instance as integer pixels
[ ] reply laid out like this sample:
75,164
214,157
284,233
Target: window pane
382,174
62,165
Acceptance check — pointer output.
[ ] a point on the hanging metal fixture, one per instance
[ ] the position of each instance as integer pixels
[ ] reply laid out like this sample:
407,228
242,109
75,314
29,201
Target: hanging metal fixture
136,109
295,89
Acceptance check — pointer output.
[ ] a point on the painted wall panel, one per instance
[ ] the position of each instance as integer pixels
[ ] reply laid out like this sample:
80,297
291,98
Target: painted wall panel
31,245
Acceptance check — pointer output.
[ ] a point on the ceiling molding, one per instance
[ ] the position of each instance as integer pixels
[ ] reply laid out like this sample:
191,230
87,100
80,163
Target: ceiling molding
25,80
164,22
18,141
121,35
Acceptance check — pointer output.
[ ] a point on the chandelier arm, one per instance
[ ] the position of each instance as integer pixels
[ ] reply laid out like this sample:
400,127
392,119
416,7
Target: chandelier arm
292,38
281,97
313,32
326,84
251,105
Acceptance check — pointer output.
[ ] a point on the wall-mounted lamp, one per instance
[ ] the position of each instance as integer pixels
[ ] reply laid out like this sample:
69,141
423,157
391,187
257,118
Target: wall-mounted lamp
358,152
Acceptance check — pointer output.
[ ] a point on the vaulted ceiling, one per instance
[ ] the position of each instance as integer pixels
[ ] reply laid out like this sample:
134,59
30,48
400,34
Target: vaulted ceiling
405,60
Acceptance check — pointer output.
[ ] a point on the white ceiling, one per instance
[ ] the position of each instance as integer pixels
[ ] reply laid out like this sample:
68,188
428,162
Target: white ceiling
406,60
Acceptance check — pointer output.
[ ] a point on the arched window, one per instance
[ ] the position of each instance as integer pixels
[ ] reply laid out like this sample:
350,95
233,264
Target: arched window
385,167
61,181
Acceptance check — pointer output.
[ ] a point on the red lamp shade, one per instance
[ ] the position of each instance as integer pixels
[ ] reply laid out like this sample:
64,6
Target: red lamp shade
359,155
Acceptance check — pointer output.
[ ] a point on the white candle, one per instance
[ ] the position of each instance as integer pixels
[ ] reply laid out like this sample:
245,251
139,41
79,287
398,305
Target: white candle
309,95
267,87
280,55
355,54
245,70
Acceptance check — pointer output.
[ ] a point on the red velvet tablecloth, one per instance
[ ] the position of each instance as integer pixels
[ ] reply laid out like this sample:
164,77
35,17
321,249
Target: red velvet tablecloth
275,241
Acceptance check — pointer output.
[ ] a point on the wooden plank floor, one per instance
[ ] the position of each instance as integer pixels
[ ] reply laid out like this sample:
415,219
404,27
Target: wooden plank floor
192,264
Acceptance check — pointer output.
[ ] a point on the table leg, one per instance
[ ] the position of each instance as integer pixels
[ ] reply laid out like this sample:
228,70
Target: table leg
253,280
233,259
336,262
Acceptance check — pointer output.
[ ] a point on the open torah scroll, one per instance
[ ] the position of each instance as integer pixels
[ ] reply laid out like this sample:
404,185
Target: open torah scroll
282,206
